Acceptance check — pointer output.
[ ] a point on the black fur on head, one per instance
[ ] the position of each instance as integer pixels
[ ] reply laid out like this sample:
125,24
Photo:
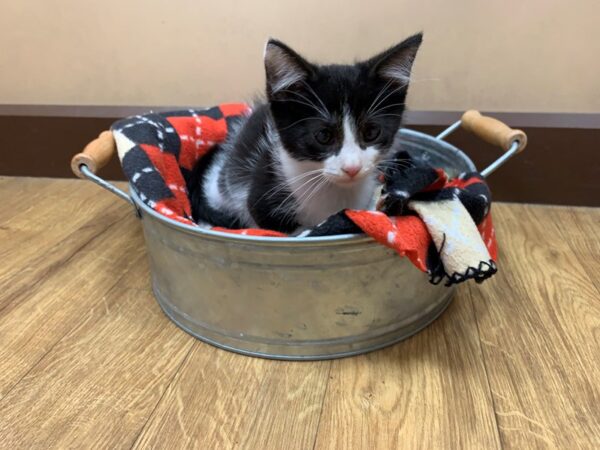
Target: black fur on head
309,103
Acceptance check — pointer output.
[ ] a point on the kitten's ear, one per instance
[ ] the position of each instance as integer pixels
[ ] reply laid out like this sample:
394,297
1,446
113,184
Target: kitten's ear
284,67
396,62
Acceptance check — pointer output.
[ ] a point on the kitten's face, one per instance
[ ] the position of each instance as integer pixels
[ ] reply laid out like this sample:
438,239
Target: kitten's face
338,119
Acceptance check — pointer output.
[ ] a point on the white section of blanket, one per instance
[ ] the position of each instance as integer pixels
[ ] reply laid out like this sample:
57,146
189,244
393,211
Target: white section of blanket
454,233
124,144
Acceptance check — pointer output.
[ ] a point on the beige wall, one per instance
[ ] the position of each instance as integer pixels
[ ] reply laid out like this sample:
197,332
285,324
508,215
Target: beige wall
537,55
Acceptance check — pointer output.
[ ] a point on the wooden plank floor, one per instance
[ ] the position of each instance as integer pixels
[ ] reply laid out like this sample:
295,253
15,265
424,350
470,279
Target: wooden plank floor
88,360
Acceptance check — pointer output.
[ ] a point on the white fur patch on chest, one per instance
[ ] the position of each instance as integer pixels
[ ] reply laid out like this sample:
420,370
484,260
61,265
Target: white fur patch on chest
331,199
314,197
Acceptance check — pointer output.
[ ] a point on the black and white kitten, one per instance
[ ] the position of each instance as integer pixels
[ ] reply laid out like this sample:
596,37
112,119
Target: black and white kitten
312,149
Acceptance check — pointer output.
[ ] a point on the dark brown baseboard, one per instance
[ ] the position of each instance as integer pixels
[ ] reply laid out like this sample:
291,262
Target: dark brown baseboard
561,164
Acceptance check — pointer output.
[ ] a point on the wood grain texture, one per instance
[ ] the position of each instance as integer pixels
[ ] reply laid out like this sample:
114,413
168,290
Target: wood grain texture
36,243
268,404
539,323
580,228
429,391
49,291
88,360
110,369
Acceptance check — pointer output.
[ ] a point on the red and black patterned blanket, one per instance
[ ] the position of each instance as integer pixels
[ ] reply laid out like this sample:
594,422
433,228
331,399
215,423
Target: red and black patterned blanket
442,225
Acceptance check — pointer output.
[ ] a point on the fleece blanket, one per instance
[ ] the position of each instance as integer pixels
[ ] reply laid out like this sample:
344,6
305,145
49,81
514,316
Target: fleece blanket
443,226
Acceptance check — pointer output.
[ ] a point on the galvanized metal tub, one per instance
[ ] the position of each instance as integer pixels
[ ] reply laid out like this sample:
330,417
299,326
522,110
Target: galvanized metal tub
293,298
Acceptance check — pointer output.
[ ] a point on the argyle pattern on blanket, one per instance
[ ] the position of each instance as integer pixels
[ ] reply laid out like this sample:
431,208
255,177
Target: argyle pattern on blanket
443,226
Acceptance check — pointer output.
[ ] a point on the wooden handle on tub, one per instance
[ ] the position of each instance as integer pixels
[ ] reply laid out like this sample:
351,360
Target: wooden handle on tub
95,155
492,130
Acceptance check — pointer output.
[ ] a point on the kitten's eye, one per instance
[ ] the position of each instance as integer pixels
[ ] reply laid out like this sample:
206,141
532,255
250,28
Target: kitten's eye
371,132
324,136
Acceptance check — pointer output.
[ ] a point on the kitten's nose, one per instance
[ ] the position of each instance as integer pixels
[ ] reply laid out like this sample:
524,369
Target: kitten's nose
351,171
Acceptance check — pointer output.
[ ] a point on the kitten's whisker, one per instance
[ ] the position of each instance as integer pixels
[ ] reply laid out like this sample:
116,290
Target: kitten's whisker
374,113
392,92
300,121
300,102
405,162
315,94
285,183
392,167
293,100
420,80
302,175
383,99
307,102
315,190
291,194
390,163
412,80
315,181
395,163
323,110
300,200
385,115
378,95
396,160
290,212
